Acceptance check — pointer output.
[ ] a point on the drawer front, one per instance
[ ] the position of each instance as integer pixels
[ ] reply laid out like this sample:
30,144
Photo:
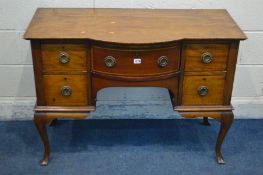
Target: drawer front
136,63
65,90
206,57
64,57
203,90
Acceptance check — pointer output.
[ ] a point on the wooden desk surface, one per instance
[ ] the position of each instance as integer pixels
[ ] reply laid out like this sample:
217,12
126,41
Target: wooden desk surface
132,26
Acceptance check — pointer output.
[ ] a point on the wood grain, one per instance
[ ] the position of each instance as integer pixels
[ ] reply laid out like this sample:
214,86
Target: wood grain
215,86
76,52
231,68
125,61
133,26
37,62
54,83
193,53
203,108
215,114
171,84
89,35
65,109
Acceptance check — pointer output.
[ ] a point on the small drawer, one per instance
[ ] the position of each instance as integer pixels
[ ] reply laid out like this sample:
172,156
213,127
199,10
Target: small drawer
203,90
64,57
136,62
65,90
206,57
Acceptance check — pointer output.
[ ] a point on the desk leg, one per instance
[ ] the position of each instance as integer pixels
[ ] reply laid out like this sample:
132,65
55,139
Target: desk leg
41,121
206,122
53,122
226,120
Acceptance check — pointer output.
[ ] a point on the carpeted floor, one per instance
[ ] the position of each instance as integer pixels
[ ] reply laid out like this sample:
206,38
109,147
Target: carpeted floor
160,145
129,147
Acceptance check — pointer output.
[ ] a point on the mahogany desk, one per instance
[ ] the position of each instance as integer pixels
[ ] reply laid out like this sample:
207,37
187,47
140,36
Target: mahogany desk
77,52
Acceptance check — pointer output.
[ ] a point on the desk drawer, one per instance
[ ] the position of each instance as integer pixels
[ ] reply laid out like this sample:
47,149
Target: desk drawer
206,57
203,90
64,57
65,90
136,63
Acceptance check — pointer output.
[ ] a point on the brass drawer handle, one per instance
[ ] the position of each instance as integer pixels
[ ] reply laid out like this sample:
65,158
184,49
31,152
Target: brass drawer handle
202,90
110,61
206,57
162,61
64,58
66,91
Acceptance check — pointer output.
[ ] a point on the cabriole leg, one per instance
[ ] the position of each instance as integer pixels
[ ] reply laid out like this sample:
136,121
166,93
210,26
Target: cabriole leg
226,121
41,121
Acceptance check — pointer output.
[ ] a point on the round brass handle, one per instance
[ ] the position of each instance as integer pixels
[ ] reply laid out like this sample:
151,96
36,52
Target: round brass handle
202,90
162,61
110,61
206,58
66,91
64,58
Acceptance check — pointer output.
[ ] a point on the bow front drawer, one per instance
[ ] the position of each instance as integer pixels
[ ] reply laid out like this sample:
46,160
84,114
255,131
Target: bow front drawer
206,57
136,62
65,90
64,57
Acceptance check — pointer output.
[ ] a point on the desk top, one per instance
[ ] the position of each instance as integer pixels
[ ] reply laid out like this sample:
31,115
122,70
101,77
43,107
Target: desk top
132,26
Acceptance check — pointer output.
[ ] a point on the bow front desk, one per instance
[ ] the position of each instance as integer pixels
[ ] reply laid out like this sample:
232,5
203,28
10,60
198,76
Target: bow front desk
77,52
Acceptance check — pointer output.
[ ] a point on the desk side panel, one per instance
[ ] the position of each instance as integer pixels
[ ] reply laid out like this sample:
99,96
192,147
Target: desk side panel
37,64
